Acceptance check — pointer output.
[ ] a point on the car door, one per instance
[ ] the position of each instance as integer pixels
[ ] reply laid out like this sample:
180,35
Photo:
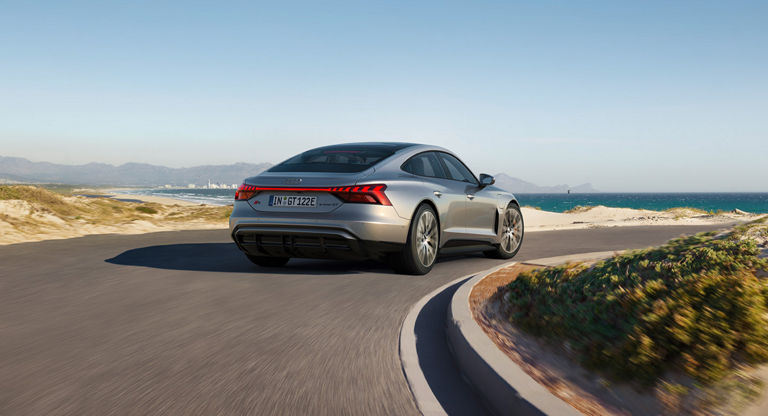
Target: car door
448,195
482,211
480,205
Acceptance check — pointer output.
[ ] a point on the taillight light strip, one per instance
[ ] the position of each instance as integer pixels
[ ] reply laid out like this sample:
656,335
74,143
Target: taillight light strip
364,194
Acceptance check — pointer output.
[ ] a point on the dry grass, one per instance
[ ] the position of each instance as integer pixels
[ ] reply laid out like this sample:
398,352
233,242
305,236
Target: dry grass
577,209
756,230
41,198
686,211
30,211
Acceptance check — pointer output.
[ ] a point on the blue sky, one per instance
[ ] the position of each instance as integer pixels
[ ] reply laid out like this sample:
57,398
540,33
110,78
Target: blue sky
630,96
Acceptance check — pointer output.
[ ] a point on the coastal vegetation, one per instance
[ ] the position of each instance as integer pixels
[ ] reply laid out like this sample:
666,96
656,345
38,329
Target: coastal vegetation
28,213
679,212
579,208
689,317
146,210
687,210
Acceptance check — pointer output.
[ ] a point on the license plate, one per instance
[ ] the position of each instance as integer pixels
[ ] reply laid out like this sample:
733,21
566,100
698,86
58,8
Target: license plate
297,201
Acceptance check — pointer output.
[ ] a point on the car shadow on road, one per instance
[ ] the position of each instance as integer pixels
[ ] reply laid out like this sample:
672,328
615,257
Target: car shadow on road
225,257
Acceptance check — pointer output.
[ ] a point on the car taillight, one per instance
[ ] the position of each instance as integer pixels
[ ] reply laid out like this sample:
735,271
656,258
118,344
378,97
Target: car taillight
362,194
245,192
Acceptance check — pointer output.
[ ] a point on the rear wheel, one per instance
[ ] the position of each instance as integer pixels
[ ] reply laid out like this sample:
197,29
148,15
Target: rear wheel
420,251
512,231
267,261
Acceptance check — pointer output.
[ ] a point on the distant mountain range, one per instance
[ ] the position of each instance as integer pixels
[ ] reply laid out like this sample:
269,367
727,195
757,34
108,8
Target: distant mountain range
516,185
14,169
19,170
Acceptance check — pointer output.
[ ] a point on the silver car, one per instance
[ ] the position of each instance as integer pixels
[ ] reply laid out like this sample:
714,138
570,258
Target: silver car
399,202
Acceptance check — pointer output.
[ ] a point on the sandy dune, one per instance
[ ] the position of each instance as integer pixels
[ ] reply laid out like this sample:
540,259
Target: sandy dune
35,214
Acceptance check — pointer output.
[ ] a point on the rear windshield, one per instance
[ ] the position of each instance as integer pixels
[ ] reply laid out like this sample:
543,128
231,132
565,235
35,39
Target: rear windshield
340,159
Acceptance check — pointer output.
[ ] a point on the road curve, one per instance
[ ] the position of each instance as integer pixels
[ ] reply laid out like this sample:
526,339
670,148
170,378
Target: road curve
182,323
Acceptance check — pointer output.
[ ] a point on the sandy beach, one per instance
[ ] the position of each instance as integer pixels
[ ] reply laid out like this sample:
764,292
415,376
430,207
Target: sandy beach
600,216
43,215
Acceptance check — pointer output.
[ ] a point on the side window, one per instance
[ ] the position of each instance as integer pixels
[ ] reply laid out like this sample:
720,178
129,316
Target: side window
424,164
456,170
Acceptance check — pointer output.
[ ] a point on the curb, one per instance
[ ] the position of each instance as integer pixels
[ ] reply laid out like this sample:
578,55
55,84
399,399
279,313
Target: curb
409,360
505,387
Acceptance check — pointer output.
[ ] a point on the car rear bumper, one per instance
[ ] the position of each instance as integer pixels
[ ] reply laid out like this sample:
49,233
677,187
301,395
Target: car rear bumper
351,231
307,242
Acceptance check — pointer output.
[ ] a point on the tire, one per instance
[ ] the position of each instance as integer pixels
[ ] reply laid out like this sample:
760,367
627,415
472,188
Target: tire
420,251
512,232
266,261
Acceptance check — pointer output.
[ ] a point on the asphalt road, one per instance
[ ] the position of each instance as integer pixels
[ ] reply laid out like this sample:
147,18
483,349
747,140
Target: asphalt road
181,323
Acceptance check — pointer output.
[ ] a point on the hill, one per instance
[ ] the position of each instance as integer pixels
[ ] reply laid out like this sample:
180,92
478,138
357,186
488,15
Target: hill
14,169
517,185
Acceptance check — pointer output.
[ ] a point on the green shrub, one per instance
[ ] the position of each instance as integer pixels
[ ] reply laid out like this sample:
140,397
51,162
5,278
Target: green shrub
146,210
693,305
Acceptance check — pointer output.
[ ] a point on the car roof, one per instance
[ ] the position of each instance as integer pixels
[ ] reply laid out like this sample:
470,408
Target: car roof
394,146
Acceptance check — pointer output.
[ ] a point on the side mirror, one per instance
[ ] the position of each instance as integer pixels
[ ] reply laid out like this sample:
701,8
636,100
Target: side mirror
486,180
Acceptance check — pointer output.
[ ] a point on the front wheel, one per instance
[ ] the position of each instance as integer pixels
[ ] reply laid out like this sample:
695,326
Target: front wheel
512,231
267,261
420,251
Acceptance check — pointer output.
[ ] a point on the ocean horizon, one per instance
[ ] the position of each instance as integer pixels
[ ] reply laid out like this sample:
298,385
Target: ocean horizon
754,202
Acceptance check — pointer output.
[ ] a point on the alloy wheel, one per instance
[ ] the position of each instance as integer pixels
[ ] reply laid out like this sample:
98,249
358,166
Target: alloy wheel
511,231
426,238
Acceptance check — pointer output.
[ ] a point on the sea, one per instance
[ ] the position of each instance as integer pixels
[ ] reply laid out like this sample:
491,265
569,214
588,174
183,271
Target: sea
726,201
